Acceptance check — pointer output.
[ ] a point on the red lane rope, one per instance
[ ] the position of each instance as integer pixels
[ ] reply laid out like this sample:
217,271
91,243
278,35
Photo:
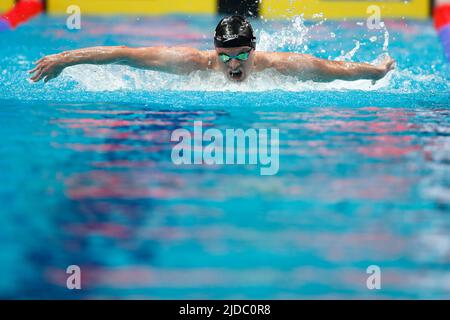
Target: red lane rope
23,11
441,16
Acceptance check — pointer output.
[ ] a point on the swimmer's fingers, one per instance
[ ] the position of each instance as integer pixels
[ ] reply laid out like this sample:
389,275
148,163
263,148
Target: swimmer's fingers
35,77
38,67
41,60
37,71
39,75
389,64
34,69
39,64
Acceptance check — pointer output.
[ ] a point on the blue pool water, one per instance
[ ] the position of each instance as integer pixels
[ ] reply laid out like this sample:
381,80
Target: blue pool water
87,178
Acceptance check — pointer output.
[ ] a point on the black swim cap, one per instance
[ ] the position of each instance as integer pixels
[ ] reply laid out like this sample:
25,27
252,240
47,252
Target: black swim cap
234,31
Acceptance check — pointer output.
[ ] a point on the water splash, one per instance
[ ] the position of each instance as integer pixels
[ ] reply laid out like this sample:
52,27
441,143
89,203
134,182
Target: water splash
112,78
294,38
286,39
322,39
349,55
386,37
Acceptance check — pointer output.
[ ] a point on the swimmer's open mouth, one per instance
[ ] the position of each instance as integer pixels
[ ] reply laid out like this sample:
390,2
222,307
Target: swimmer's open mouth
236,74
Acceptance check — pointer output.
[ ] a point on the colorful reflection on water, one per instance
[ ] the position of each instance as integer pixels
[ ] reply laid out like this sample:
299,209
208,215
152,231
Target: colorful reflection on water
87,179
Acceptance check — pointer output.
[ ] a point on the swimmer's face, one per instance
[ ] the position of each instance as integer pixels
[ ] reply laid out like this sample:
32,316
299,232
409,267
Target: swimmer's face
236,69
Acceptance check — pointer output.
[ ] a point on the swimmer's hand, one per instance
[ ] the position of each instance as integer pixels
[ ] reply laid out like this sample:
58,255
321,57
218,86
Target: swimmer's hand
48,68
384,67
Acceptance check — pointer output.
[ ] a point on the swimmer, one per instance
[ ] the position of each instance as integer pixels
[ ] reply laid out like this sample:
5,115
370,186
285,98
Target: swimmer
235,56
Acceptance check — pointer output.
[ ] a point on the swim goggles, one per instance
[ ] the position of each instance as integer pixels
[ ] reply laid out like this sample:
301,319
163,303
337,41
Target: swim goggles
243,56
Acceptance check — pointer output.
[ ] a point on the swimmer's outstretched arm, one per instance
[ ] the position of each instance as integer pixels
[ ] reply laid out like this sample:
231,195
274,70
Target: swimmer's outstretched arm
307,67
178,60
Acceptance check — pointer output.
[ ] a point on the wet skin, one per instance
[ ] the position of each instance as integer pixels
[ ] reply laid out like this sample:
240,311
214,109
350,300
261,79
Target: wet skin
235,69
184,60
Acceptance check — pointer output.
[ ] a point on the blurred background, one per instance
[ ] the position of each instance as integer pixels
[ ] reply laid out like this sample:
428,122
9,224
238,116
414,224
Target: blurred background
420,9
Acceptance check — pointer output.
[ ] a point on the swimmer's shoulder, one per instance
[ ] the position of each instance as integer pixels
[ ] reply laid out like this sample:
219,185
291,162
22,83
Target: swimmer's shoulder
201,59
211,59
266,60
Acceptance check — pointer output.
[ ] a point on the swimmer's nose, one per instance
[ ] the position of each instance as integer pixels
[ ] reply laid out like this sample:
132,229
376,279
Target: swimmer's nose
234,64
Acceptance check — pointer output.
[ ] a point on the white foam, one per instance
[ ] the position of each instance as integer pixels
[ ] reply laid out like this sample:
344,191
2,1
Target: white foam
294,37
112,78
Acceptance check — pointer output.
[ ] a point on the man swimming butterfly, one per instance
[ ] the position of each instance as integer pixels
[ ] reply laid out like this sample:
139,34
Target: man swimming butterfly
235,55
